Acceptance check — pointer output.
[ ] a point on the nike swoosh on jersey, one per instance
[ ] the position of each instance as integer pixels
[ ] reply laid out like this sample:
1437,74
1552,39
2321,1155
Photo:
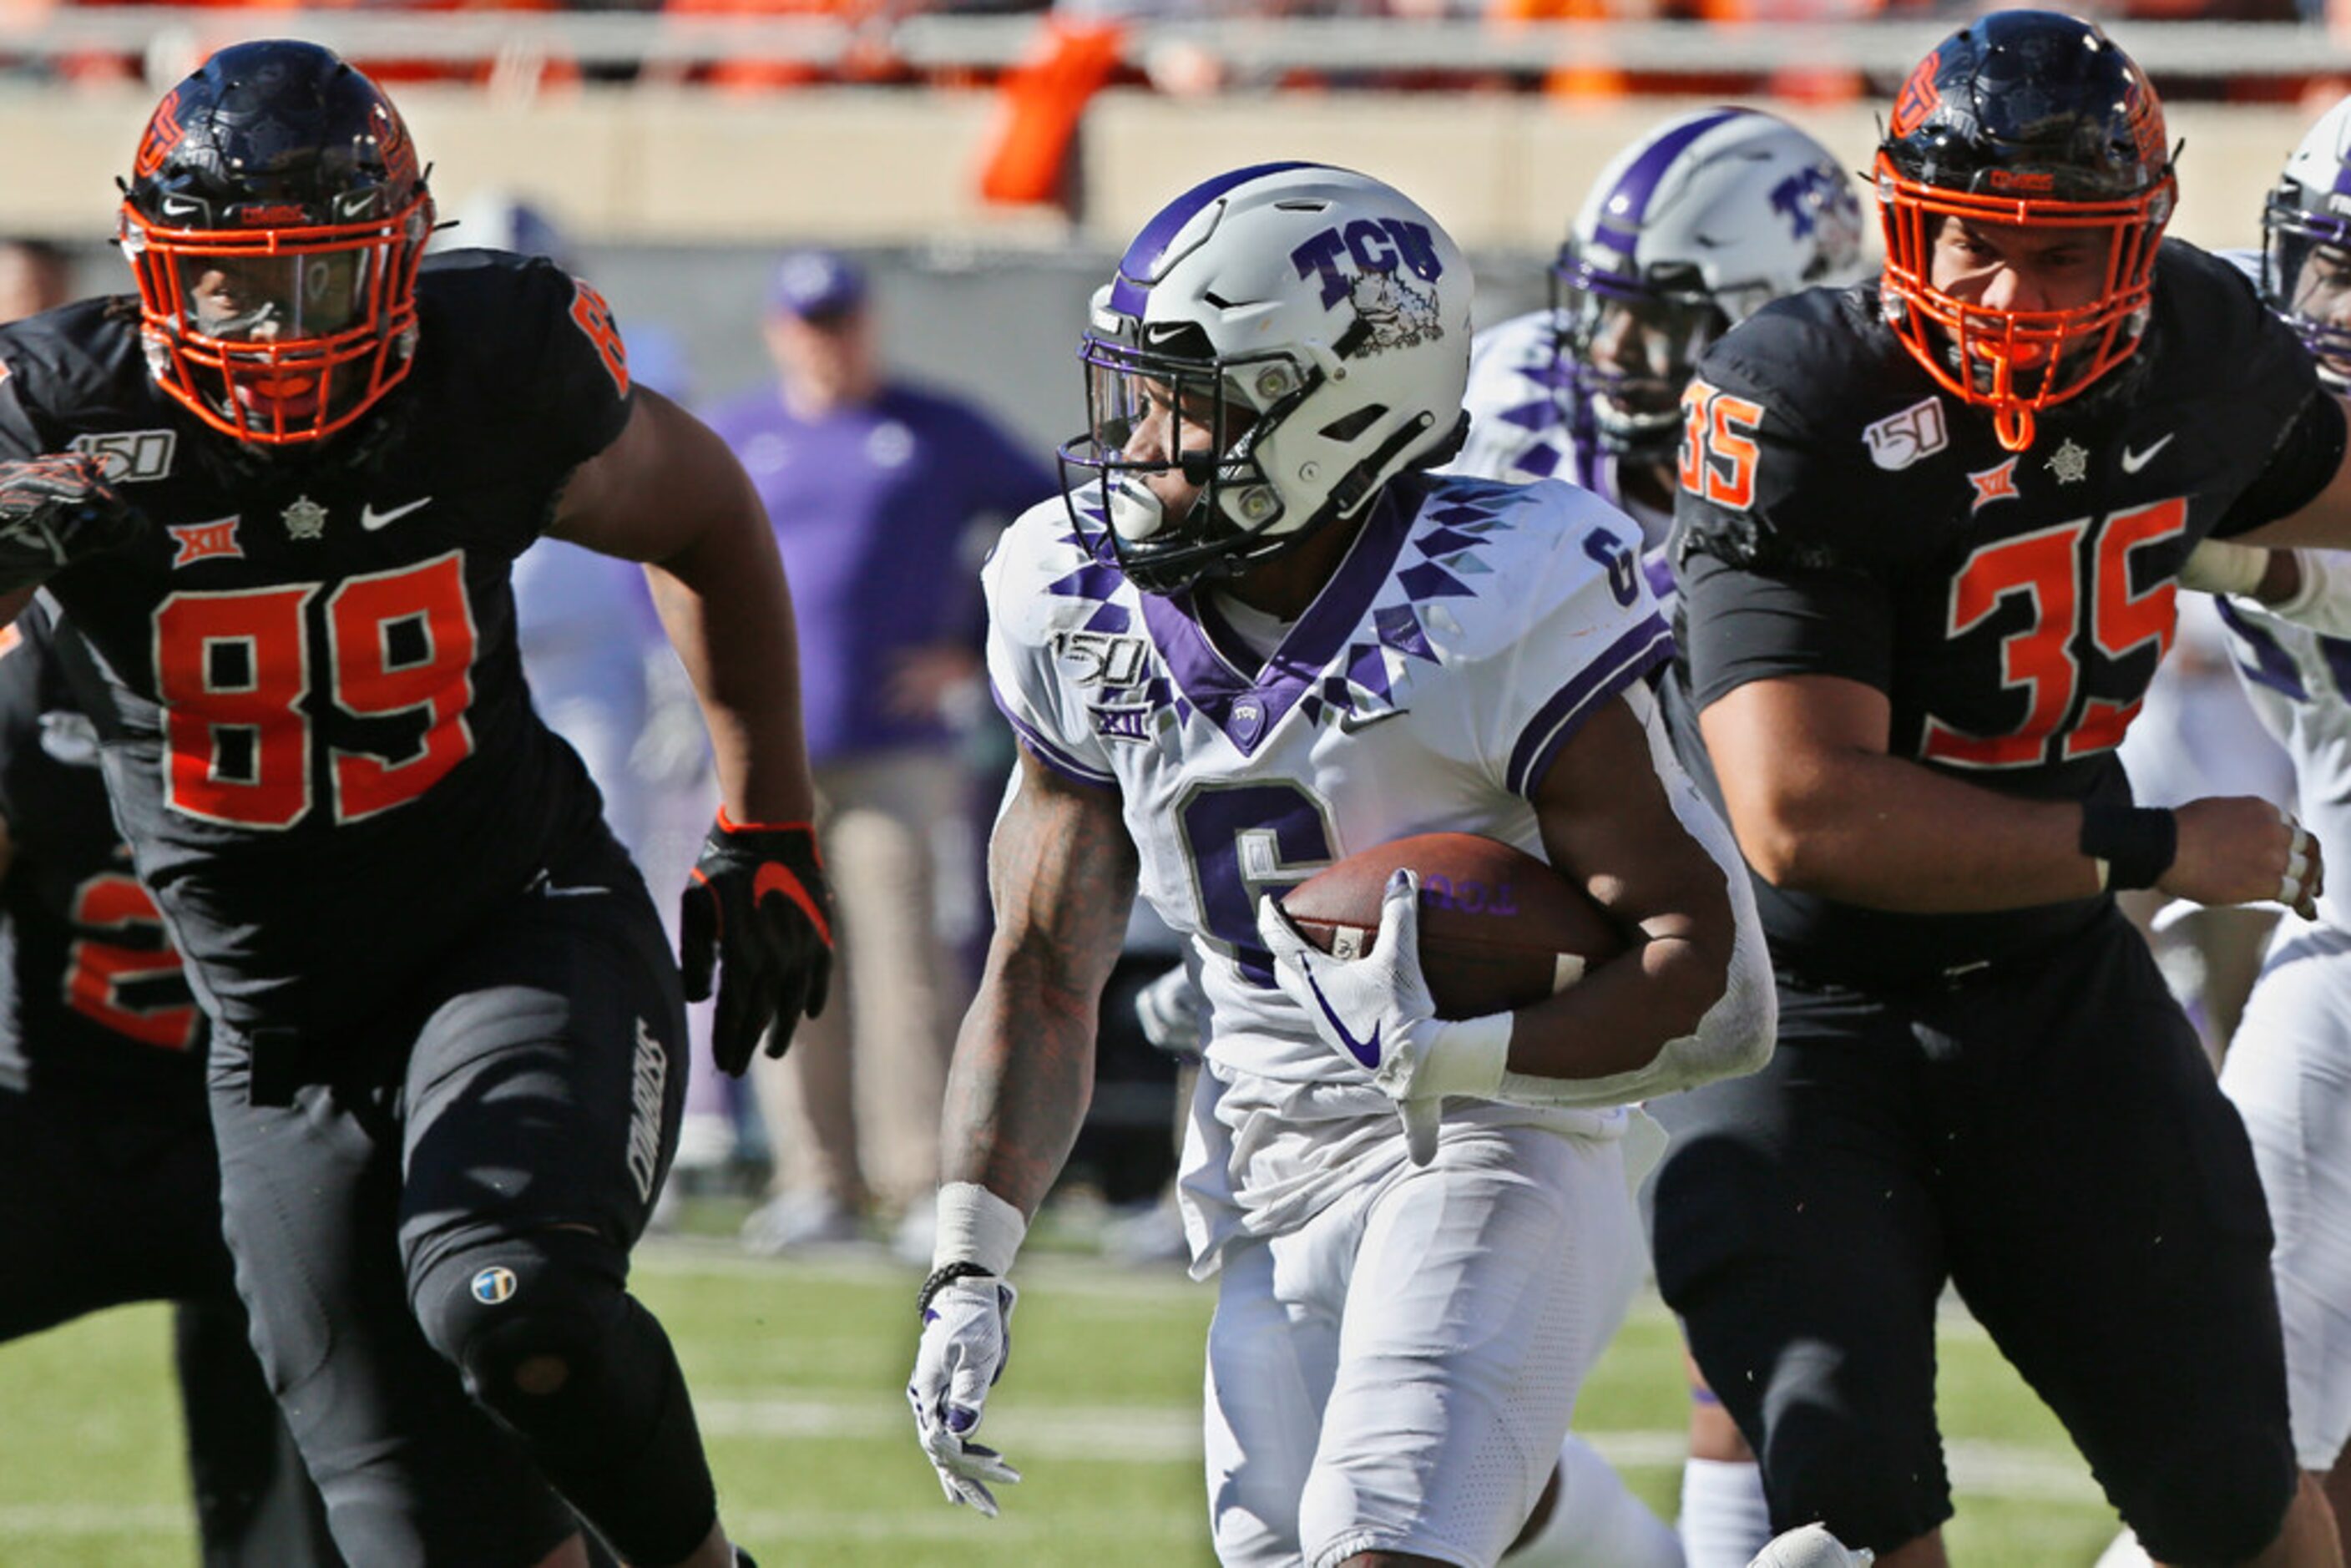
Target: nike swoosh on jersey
371,519
2135,461
1349,723
1366,1051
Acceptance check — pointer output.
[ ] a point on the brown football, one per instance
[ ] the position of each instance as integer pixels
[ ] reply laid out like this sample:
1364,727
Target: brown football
1499,928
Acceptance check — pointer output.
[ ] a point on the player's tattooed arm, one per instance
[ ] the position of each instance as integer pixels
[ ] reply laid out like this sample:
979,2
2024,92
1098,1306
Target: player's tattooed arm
1061,874
668,493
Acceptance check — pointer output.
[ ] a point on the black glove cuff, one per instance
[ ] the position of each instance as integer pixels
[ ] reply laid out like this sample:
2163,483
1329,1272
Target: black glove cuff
942,1277
767,837
2138,842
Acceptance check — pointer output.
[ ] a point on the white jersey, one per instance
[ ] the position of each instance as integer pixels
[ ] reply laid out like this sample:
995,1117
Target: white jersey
1523,428
1470,631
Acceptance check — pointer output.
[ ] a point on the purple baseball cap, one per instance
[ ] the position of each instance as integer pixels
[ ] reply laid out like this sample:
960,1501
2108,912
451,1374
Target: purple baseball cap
816,283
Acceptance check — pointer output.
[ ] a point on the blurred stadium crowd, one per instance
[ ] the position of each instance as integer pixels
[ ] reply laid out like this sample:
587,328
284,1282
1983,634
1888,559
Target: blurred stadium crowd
1058,55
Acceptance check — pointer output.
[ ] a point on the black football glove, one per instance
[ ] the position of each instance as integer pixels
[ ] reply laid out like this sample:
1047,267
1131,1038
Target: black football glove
758,909
54,510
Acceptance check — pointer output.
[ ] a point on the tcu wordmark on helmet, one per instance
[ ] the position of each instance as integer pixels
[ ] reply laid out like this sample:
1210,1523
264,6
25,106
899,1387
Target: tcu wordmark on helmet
1315,320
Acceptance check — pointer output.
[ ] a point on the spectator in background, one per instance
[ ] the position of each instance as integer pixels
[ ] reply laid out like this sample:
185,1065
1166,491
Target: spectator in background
35,276
877,492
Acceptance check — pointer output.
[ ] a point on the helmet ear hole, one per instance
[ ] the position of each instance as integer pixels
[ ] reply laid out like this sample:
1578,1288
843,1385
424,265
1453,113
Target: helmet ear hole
1348,427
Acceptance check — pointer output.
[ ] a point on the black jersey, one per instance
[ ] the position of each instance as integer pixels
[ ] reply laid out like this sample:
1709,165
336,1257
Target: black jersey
1840,514
315,725
93,989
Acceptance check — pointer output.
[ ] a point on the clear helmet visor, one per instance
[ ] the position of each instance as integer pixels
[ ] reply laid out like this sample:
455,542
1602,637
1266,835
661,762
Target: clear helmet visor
1165,475
1165,437
266,299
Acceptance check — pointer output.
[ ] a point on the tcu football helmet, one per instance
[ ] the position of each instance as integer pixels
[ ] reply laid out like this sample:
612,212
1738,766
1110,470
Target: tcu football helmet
274,217
2034,119
1312,321
1686,233
2306,242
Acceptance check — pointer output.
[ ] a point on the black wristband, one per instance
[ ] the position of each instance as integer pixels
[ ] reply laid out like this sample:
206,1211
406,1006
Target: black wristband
942,1277
2138,842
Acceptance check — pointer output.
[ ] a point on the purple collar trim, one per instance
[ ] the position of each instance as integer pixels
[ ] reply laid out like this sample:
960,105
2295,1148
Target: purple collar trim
1249,707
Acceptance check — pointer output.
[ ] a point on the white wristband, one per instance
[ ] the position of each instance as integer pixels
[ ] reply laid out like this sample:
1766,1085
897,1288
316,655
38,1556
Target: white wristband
976,1227
1466,1058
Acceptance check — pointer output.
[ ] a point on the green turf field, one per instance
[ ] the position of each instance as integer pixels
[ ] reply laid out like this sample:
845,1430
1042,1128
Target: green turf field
797,1371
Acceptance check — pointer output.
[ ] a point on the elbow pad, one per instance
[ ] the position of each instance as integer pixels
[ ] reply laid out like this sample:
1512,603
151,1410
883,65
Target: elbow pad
1734,1035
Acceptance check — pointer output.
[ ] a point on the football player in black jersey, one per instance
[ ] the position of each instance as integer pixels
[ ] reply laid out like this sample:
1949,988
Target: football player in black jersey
277,495
1926,542
108,1186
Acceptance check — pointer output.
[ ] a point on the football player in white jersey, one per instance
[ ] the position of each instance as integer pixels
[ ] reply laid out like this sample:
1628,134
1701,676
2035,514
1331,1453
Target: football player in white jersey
2289,1066
1257,637
1688,232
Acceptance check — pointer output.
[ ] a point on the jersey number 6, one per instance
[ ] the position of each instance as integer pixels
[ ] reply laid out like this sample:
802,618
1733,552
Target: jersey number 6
235,669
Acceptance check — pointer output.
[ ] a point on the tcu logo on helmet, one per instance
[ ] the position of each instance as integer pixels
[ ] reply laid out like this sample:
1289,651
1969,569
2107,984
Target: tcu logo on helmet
1375,247
1816,199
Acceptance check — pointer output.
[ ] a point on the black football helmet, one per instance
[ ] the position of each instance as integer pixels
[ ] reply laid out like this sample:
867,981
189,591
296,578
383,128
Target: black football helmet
2025,118
275,216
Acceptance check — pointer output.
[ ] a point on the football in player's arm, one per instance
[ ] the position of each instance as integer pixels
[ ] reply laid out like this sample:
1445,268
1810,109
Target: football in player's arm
278,493
1256,637
1928,541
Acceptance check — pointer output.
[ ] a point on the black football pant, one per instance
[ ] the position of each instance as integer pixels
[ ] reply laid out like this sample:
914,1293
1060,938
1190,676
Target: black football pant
109,1197
433,1240
2046,1135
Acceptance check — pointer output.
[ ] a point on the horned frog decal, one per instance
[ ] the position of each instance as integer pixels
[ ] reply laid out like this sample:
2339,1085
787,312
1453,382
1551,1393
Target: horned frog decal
1398,312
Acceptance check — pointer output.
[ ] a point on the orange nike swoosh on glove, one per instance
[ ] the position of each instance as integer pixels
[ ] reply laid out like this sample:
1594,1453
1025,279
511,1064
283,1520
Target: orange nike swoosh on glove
775,878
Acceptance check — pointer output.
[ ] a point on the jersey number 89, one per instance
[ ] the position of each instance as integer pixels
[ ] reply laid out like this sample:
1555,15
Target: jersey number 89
234,670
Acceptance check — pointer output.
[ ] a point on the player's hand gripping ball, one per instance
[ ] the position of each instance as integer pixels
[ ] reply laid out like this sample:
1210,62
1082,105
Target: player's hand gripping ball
758,911
54,510
1376,1010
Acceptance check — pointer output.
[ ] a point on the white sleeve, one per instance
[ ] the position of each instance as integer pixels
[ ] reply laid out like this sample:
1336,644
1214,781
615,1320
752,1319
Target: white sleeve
1589,630
1025,609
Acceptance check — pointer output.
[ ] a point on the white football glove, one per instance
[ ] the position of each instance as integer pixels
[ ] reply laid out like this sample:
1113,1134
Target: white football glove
967,1338
1377,1010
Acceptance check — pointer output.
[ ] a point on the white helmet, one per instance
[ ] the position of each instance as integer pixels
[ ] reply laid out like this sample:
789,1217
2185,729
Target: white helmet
1686,233
1319,314
2310,208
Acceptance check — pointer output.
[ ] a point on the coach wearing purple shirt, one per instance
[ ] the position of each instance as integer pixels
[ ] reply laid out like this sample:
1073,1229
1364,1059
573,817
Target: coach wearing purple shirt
876,490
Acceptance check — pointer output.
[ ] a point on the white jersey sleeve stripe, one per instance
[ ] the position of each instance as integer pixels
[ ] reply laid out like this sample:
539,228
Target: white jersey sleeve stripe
1630,657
